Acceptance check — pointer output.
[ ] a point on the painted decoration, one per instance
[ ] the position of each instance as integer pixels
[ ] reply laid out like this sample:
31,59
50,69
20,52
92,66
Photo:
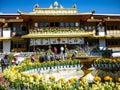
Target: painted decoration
48,41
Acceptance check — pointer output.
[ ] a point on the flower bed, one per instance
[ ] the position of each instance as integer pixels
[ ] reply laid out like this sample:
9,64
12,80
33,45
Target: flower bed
18,79
107,64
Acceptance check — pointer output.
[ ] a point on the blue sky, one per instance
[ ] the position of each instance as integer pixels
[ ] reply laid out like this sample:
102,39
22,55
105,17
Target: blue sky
101,6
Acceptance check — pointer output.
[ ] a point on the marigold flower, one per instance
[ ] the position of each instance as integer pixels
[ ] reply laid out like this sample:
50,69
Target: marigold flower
118,79
107,78
97,78
83,79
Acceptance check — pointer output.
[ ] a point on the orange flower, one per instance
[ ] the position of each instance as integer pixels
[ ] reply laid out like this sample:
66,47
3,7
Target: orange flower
97,78
107,78
118,79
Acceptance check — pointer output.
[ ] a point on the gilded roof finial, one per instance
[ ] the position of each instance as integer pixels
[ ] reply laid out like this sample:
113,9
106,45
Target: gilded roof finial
74,6
37,5
51,6
18,11
61,6
56,4
93,11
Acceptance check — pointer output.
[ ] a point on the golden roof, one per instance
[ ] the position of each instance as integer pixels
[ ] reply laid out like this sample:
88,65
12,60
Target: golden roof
56,10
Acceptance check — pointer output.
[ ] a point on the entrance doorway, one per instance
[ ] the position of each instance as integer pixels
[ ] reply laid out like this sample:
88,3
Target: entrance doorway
57,46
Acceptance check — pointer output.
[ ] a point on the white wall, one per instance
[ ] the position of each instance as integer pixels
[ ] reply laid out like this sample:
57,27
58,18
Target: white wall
6,46
102,44
101,31
6,32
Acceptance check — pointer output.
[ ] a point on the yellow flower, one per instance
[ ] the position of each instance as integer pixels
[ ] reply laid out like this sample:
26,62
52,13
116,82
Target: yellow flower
31,64
13,70
41,78
22,78
23,64
25,74
18,76
107,78
83,79
61,80
31,79
97,78
72,80
52,78
35,76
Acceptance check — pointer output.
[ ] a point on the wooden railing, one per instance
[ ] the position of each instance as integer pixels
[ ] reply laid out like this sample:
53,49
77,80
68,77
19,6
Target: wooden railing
18,49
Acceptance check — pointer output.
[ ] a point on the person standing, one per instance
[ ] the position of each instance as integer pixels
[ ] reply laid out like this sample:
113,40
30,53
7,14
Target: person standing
74,55
32,58
16,62
5,62
55,50
62,53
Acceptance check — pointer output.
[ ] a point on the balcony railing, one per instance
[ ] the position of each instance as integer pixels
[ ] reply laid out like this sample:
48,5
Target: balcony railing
113,32
114,47
56,30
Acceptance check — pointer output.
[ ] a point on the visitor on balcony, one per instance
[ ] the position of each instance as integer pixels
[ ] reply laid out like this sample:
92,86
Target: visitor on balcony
5,62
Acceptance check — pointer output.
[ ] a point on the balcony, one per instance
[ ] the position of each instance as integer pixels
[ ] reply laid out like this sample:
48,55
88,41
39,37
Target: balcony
113,32
114,47
54,30
16,34
57,32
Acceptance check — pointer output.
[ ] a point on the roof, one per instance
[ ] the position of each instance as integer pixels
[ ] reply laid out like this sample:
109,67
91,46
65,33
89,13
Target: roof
9,14
108,14
54,10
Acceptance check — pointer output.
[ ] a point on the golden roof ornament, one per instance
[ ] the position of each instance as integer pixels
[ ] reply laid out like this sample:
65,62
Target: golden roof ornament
74,6
56,4
18,11
37,5
61,6
51,6
33,10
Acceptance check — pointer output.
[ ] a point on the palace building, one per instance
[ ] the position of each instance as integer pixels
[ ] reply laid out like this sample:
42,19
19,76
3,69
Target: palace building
57,26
